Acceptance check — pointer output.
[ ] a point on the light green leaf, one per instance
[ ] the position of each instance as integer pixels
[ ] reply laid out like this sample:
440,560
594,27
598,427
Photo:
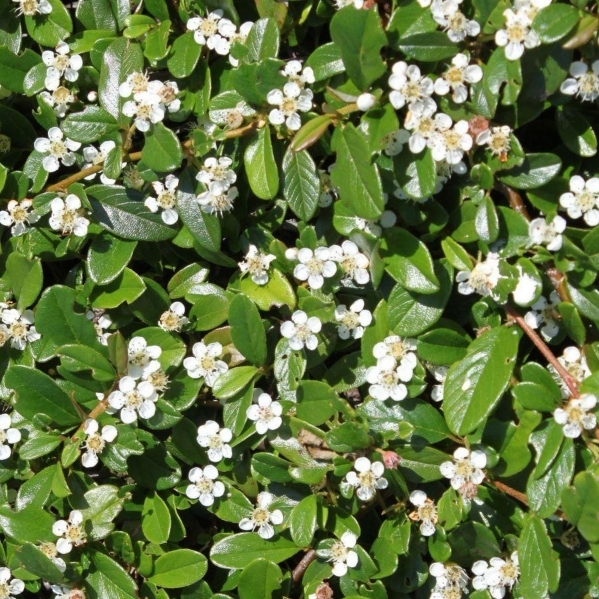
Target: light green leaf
239,550
155,519
247,332
536,170
326,61
184,55
51,28
179,568
107,257
428,47
26,279
554,22
127,287
259,580
301,184
162,150
260,166
233,381
109,579
89,125
36,562
475,384
263,40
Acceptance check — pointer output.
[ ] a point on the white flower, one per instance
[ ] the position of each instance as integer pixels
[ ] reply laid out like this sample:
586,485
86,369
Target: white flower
365,101
216,439
49,550
30,8
314,266
71,531
457,77
100,321
517,34
497,140
440,374
290,101
93,157
62,592
367,478
575,416
352,321
135,83
396,347
19,216
385,377
61,65
466,470
19,327
217,169
425,512
146,108
239,36
95,442
449,144
67,216
133,398
218,198
543,312
165,200
8,587
8,436
483,278
422,126
447,14
206,32
353,263
256,263
576,366
204,485
394,142
142,358
411,88
166,93
531,7
341,553
262,518
583,83
205,363
58,150
526,288
301,331
355,3
60,99
548,234
294,72
232,118
451,580
582,199
174,318
265,412
496,575
375,227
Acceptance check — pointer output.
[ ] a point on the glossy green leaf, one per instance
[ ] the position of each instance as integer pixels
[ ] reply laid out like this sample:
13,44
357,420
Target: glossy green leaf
233,381
179,568
52,28
326,61
260,166
537,170
475,384
126,288
108,579
156,519
26,279
239,550
552,23
89,125
107,257
263,40
247,332
301,184
184,55
162,149
575,131
259,580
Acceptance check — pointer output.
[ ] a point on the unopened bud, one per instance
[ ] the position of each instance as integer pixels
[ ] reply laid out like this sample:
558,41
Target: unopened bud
365,102
92,96
391,459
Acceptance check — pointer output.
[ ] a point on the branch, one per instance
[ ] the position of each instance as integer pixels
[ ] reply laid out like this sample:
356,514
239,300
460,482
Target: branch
99,409
302,566
514,198
568,379
511,492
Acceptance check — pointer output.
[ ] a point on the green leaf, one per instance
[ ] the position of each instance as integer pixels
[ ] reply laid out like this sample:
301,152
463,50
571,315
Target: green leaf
260,166
316,402
486,222
428,47
472,540
416,174
263,40
184,55
586,300
348,437
48,30
35,79
310,133
36,490
411,313
36,562
247,332
301,183
162,150
89,125
539,567
37,394
14,68
259,580
574,129
30,525
155,519
155,468
59,324
278,291
355,175
11,33
302,521
33,168
239,550
408,261
326,61
536,170
108,579
580,505
38,445
188,281
127,287
107,257
121,58
442,346
26,279
209,309
96,14
552,23
121,211
475,384
233,381
421,464
179,568
360,37
78,358
254,81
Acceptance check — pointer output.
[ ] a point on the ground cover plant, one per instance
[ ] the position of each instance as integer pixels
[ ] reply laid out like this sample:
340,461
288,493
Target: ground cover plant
298,299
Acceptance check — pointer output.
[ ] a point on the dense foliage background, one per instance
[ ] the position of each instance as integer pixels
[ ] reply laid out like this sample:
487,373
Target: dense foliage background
299,299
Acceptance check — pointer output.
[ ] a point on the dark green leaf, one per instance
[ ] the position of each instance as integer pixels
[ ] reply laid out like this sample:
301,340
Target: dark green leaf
247,332
260,166
301,184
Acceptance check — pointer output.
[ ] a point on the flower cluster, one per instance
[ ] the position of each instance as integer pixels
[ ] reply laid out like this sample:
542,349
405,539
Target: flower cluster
17,327
218,177
465,471
61,65
497,576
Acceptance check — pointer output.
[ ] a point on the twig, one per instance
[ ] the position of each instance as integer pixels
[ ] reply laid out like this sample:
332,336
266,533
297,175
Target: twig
302,566
568,379
521,497
99,409
514,198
